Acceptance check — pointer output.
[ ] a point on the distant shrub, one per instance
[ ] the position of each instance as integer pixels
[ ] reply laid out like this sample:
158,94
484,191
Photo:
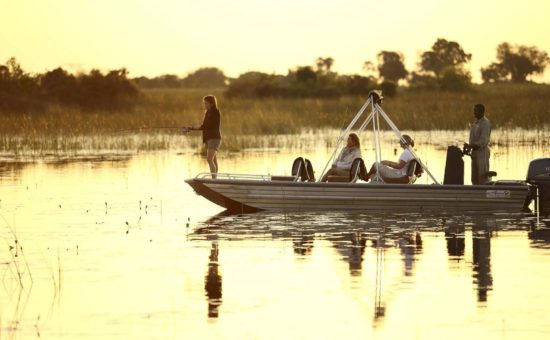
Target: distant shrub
106,91
20,91
423,81
357,85
255,85
450,79
303,82
167,81
206,77
389,88
454,80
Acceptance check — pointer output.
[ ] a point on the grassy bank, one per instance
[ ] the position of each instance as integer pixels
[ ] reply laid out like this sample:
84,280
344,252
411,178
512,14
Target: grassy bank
526,106
508,106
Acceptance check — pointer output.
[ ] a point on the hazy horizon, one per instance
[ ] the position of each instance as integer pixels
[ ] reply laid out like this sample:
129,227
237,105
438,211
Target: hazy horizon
178,37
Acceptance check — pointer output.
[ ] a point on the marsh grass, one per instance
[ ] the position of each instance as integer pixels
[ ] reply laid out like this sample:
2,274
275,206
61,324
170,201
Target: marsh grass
17,281
69,131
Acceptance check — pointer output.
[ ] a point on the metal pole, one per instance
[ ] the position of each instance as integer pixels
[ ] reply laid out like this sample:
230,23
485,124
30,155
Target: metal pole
342,136
538,207
398,134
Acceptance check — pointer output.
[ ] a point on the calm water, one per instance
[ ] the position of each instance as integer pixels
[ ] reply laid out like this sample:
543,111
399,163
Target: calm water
122,248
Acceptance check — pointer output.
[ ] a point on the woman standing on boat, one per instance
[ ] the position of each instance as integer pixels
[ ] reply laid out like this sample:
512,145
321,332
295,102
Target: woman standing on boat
211,135
342,164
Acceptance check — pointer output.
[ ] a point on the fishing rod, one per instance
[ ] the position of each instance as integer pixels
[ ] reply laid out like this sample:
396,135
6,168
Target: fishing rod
184,129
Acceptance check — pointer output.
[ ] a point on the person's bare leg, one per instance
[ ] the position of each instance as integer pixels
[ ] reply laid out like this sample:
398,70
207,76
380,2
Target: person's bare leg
329,173
372,171
210,157
216,161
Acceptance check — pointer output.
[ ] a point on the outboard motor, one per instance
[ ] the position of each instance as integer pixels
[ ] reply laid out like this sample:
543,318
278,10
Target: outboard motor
454,166
538,175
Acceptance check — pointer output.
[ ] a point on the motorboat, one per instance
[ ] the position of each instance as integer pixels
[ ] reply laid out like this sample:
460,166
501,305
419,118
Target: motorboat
244,193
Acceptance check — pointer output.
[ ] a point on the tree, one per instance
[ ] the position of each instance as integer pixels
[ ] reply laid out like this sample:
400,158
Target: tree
255,85
444,54
324,64
14,69
515,62
206,77
452,79
59,85
495,72
170,80
14,80
369,68
357,85
305,74
391,67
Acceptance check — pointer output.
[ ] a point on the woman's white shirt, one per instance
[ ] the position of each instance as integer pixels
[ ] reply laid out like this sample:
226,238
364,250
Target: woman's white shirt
346,157
406,157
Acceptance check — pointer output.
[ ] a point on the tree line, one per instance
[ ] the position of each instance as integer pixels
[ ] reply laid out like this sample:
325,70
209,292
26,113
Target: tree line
21,91
442,67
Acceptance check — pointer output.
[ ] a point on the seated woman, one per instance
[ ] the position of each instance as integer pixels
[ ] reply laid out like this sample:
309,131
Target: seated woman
342,164
392,172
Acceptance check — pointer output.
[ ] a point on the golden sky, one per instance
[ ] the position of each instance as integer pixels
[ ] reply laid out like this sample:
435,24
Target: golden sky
178,36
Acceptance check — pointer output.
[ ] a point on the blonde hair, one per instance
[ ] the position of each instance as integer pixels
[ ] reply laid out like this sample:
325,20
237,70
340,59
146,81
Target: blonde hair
355,140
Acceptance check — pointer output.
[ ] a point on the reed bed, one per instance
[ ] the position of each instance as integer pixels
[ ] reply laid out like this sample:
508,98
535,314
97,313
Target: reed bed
145,127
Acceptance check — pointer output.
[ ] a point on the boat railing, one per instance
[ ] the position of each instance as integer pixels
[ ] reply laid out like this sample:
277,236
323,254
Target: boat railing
239,176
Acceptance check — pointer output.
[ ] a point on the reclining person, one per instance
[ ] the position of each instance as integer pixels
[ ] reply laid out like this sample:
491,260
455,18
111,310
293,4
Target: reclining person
342,164
395,172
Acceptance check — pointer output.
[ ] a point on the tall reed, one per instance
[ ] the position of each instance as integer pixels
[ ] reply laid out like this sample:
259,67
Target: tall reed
508,106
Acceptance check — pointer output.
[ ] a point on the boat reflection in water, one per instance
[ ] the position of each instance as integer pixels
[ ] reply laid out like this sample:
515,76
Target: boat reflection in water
351,247
371,246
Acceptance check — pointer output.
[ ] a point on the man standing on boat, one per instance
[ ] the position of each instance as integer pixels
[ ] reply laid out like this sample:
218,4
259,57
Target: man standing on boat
480,135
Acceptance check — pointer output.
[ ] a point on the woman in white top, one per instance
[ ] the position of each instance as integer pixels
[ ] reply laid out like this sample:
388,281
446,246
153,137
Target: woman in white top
342,164
392,170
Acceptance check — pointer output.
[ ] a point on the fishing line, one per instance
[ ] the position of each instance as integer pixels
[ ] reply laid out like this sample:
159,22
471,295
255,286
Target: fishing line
185,130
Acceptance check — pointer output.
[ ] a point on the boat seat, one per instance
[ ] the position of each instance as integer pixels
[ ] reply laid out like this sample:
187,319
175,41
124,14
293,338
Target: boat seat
414,170
358,170
303,169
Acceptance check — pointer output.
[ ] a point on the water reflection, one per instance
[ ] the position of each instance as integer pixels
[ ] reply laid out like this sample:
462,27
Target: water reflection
303,243
481,251
213,282
539,233
454,235
351,247
410,245
360,274
379,305
351,234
